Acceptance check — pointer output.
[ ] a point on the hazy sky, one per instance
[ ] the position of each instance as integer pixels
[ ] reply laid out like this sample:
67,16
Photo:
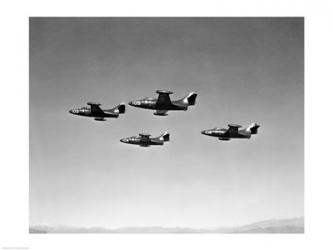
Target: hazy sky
244,70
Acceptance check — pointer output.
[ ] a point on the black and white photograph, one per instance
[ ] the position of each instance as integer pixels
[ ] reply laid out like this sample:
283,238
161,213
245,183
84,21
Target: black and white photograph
166,125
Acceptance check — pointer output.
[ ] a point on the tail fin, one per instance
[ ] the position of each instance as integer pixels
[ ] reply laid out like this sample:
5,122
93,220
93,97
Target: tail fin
164,137
120,109
189,99
253,128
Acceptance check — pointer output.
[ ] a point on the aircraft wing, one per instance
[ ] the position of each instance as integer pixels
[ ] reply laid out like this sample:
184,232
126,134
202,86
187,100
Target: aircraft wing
163,98
144,137
95,107
161,112
233,129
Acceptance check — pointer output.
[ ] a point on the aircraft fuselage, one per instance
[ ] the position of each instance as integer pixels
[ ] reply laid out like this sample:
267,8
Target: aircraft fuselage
152,104
89,113
141,141
221,134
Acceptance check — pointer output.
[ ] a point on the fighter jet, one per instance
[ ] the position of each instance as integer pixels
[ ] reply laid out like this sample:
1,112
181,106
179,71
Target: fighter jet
99,114
144,140
232,132
163,103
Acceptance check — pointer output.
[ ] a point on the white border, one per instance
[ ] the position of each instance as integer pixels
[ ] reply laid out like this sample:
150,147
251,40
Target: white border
14,123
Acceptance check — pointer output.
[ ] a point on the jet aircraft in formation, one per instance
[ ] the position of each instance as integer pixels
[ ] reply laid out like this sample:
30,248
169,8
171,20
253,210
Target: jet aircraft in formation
163,103
144,140
232,132
99,114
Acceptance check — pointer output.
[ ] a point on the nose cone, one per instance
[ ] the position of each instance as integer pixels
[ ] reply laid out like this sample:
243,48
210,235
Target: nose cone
207,132
74,111
124,140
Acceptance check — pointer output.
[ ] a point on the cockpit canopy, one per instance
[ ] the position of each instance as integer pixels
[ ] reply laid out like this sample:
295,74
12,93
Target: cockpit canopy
84,109
147,100
217,128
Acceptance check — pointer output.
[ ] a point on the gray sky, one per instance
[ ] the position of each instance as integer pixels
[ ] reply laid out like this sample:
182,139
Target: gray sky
244,70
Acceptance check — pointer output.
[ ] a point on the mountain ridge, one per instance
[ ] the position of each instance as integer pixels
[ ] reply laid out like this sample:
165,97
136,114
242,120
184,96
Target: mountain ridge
293,225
